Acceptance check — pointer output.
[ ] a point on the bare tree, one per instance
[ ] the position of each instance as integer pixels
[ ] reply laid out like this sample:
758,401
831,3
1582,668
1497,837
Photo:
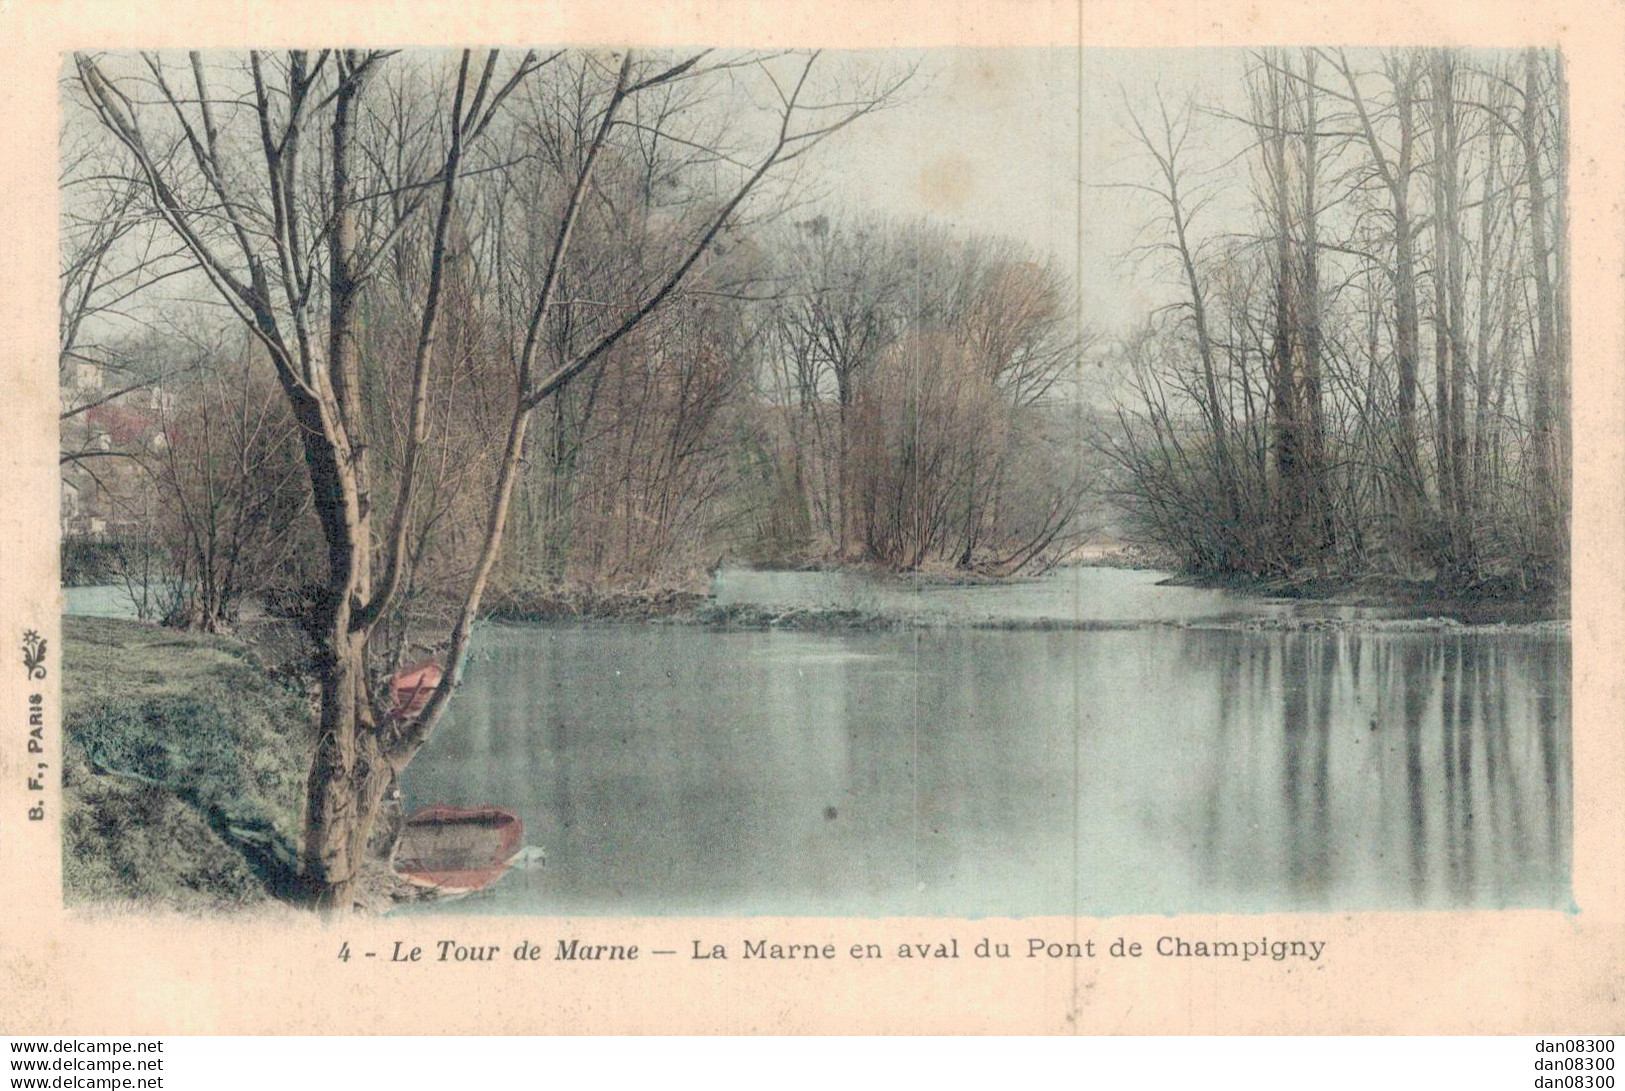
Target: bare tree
1549,485
1341,441
1166,147
839,314
284,245
1395,170
229,476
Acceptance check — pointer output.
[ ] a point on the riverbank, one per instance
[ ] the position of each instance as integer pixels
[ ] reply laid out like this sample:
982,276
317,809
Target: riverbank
866,599
1111,591
1489,603
835,620
578,602
184,759
179,751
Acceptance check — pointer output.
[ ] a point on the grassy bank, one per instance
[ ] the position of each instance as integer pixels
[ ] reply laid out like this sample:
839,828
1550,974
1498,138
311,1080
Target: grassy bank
183,767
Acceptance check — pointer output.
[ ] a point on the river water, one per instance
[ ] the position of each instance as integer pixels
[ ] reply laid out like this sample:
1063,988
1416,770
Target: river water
1167,759
102,600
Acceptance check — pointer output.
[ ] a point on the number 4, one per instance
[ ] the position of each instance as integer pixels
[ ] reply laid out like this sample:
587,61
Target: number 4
344,951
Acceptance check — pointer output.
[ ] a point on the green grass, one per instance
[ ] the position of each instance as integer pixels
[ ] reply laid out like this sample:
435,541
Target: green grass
169,739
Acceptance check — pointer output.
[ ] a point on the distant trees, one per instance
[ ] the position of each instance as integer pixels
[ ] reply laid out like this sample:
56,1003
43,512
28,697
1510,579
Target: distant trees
113,250
842,306
1288,416
625,468
914,374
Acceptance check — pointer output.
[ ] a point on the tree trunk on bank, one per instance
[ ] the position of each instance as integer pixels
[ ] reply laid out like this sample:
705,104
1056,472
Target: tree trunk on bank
1321,530
1444,365
254,241
1543,430
348,778
1409,492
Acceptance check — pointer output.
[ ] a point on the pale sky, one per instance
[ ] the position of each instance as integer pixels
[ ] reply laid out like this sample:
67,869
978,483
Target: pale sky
989,142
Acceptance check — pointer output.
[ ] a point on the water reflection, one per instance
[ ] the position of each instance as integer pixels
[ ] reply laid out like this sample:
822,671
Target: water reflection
1412,768
972,773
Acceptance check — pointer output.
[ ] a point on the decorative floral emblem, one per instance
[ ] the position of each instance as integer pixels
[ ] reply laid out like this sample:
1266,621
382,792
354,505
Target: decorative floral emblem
34,654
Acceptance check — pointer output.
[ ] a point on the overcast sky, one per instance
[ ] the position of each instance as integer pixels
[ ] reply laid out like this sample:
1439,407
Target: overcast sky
989,142
1019,142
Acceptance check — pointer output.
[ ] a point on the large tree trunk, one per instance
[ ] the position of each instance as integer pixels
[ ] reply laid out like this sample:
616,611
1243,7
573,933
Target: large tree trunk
338,771
348,778
343,353
345,772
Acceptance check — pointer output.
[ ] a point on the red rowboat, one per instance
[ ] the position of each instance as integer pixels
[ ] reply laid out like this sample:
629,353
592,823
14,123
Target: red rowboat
412,687
456,850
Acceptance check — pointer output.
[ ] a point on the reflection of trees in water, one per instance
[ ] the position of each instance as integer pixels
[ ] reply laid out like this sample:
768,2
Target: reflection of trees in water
1557,759
1415,681
1309,677
1430,769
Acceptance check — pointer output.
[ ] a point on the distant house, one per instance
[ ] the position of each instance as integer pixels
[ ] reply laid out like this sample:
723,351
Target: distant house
107,492
117,426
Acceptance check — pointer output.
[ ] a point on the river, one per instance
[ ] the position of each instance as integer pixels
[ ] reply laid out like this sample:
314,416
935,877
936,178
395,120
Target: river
1168,759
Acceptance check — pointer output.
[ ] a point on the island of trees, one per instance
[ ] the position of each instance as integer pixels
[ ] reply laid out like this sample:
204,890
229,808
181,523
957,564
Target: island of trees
1368,373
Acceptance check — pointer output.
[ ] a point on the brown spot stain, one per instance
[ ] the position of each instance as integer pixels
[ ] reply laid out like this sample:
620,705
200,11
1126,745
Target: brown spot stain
946,181
990,76
989,80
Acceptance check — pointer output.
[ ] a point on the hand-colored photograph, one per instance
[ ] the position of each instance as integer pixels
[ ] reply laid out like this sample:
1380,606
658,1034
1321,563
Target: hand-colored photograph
943,483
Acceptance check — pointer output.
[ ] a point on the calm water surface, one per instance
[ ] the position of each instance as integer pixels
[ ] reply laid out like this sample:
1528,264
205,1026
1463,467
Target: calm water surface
103,600
977,772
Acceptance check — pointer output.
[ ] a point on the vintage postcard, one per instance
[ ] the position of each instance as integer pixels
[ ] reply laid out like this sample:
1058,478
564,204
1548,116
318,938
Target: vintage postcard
1043,517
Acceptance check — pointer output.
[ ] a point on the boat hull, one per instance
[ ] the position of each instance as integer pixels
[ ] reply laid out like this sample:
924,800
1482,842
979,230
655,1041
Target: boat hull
457,850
